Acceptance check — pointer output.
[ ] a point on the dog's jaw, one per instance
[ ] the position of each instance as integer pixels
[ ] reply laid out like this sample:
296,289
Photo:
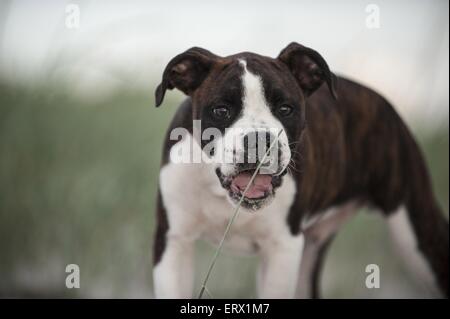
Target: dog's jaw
252,204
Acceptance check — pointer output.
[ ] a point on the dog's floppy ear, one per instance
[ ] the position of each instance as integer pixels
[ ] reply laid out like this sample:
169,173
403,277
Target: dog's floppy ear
185,72
308,67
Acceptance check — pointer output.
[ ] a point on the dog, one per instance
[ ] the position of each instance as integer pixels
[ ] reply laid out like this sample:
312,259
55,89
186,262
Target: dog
338,146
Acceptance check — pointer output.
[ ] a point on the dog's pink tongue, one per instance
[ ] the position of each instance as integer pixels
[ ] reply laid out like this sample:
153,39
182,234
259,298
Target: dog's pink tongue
261,184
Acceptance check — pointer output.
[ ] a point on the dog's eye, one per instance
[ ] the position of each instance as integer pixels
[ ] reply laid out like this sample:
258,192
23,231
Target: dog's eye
221,112
285,110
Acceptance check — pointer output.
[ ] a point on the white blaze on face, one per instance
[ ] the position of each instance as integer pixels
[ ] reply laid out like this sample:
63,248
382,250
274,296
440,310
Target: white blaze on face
256,114
255,107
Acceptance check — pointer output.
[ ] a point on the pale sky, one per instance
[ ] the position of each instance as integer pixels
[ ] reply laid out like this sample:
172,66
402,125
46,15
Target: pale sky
128,43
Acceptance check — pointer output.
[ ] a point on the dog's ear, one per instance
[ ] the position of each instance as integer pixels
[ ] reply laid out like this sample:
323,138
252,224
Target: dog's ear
185,72
308,67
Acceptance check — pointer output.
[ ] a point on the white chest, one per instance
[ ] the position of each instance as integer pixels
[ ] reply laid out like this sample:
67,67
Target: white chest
197,207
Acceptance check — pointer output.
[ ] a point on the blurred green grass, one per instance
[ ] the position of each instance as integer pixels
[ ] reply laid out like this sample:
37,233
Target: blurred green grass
78,179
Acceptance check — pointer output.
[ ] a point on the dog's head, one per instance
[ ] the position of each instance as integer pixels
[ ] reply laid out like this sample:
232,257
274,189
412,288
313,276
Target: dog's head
256,103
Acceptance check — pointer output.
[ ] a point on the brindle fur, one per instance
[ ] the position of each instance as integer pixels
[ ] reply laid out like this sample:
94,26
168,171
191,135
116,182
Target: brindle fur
354,147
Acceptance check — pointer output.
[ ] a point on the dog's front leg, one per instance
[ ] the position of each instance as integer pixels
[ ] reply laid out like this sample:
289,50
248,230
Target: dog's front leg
280,266
173,275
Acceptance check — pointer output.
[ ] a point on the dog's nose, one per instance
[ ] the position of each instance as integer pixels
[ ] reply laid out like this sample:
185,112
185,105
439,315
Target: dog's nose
254,139
256,143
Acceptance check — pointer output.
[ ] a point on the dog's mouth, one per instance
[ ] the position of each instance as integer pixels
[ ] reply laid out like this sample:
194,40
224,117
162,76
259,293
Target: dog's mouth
257,191
259,188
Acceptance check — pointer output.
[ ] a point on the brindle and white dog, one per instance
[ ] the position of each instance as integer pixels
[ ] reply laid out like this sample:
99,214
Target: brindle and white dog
341,146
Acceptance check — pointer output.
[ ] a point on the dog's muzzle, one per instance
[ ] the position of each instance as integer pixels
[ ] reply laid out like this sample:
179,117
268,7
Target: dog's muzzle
237,178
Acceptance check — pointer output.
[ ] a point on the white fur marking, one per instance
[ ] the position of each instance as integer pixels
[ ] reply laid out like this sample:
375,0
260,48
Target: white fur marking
406,242
256,114
278,272
197,206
